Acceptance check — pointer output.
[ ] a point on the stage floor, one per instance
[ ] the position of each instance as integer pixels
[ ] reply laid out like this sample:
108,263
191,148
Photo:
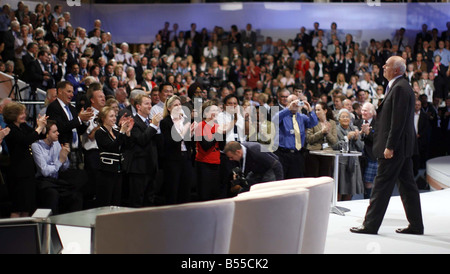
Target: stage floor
436,240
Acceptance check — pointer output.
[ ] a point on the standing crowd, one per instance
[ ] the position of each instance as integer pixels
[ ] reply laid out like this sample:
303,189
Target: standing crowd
200,114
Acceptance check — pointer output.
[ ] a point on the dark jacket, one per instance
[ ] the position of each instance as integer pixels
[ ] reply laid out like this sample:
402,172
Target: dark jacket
395,121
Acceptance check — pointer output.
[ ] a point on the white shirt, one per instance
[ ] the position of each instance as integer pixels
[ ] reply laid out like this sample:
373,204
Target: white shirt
416,120
179,125
393,80
75,144
226,118
158,108
371,87
18,42
87,143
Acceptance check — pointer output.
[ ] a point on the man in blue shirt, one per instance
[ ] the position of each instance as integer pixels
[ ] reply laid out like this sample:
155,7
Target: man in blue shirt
290,139
56,190
5,20
443,52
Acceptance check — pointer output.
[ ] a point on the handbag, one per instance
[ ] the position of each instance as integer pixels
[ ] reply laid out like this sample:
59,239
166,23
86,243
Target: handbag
109,158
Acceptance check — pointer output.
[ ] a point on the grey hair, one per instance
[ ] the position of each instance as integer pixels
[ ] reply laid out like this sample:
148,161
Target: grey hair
342,110
400,63
135,92
372,108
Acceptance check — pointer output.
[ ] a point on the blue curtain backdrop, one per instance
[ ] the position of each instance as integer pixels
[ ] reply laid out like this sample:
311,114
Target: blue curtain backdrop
138,23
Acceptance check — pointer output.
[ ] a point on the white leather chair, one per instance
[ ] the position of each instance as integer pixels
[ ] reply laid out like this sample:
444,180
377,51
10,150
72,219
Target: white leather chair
318,212
191,228
269,223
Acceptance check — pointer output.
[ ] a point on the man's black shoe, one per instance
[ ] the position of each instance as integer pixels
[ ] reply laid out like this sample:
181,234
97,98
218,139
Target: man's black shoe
410,230
363,230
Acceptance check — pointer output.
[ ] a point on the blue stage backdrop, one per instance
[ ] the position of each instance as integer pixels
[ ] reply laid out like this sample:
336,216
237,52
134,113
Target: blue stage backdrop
138,23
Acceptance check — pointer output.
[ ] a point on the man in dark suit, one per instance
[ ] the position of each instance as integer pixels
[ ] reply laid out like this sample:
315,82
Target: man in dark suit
423,130
394,145
141,67
369,162
52,35
189,49
38,73
248,40
141,158
193,35
72,54
70,123
103,49
70,126
256,165
30,56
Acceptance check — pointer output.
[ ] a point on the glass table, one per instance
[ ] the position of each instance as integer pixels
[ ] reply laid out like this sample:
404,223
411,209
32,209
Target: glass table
336,154
84,218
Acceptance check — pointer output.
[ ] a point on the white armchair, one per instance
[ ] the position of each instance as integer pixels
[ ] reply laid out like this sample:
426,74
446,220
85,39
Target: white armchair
191,228
269,223
319,206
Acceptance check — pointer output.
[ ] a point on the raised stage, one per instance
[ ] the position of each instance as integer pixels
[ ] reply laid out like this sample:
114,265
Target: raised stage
436,240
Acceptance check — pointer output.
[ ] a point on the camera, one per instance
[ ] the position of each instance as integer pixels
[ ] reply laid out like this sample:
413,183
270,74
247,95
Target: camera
239,178
300,103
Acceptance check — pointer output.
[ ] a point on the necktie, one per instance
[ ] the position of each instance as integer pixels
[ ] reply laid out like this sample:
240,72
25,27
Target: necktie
74,133
386,91
147,122
298,140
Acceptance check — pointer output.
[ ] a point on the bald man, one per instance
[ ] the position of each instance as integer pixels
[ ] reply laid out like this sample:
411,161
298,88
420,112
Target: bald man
290,139
394,145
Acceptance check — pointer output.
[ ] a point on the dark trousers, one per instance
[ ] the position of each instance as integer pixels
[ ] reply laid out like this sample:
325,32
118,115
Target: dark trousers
318,166
226,167
178,181
292,162
60,195
91,166
140,189
389,171
109,189
208,180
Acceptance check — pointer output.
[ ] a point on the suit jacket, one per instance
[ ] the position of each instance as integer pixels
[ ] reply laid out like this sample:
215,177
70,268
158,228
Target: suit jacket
19,141
98,52
51,38
27,59
35,76
141,154
445,120
423,66
245,39
57,113
367,139
71,59
139,71
423,130
395,121
260,162
106,143
8,52
171,144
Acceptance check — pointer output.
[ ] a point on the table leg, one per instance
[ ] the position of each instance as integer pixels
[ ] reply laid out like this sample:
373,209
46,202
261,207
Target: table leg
46,238
335,209
92,240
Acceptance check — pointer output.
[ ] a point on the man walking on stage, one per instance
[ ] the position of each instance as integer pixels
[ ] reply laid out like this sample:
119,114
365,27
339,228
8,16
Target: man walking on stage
394,144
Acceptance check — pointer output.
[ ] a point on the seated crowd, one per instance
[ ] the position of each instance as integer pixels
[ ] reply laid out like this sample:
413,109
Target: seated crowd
122,127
